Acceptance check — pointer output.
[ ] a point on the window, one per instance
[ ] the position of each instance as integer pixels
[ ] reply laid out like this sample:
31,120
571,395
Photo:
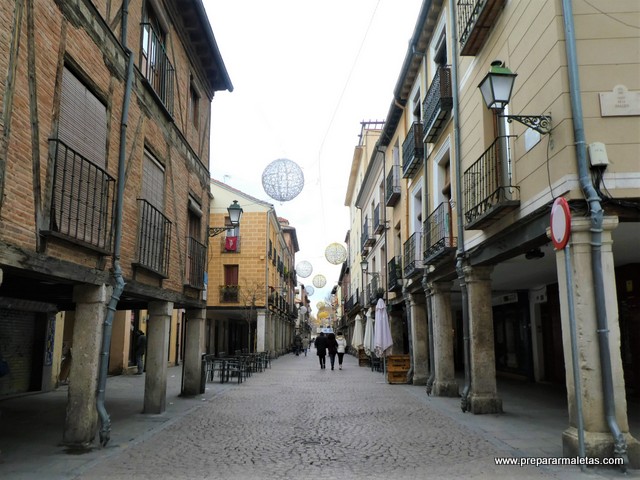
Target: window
153,181
194,100
229,291
154,63
196,251
83,192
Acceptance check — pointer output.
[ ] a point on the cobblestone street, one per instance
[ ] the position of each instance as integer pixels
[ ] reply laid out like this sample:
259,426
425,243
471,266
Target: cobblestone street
298,421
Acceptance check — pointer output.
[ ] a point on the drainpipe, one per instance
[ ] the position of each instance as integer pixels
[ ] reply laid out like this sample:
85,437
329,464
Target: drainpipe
105,420
432,355
596,214
460,253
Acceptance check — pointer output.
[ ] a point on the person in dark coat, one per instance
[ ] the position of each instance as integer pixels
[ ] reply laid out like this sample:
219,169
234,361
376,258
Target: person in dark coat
141,350
332,347
321,348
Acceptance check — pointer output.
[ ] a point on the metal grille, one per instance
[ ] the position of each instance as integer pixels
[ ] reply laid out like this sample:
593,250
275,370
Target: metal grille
412,150
412,255
82,200
156,66
392,192
438,230
196,254
437,103
154,238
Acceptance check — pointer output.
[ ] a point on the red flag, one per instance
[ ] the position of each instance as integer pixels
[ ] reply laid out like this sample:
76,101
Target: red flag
231,243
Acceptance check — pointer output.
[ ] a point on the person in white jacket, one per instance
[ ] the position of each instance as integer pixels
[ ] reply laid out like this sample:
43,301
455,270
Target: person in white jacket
342,348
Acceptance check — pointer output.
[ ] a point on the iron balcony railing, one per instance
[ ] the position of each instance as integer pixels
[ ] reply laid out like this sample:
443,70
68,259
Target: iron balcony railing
412,151
437,104
229,293
82,199
413,262
438,233
392,192
196,256
487,195
394,270
154,239
475,21
156,67
378,226
366,238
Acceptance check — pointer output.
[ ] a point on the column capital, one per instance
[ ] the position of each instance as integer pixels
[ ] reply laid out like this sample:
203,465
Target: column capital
440,287
477,273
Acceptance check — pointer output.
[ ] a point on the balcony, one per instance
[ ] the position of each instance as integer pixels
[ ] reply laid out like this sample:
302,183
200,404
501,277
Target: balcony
374,291
413,262
366,238
378,226
412,151
393,190
437,105
476,18
154,239
229,293
394,269
196,257
156,67
82,200
230,244
487,195
439,241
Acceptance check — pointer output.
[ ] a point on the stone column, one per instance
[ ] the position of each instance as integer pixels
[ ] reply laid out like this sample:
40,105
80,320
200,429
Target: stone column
155,382
597,435
192,352
261,331
397,332
484,393
81,419
419,336
445,384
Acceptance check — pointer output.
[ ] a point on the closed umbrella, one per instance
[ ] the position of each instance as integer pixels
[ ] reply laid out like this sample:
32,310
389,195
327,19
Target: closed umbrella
357,340
368,336
383,341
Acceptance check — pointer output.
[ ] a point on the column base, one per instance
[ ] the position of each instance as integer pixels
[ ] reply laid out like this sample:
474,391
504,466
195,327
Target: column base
445,389
419,379
482,404
599,445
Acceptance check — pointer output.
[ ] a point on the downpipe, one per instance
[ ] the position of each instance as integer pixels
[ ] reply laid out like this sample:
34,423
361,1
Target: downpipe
432,356
105,420
596,216
460,253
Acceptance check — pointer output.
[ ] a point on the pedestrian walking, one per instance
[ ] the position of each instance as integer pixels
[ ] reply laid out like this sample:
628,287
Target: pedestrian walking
342,348
305,344
321,349
141,348
297,344
332,347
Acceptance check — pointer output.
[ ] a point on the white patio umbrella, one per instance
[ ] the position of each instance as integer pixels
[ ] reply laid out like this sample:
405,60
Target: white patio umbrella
368,336
382,341
357,340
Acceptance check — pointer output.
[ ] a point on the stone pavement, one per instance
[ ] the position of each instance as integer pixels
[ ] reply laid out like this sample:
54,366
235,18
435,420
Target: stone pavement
291,421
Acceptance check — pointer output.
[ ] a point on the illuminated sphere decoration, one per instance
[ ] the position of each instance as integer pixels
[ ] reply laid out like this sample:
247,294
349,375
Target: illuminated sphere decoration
309,289
319,281
320,305
303,310
304,269
323,315
282,180
335,253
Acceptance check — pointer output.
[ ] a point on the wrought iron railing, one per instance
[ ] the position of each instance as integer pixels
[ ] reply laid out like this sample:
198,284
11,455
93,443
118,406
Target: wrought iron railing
438,232
378,227
412,150
196,256
154,238
366,238
156,67
413,262
437,104
484,187
475,19
392,192
229,293
82,198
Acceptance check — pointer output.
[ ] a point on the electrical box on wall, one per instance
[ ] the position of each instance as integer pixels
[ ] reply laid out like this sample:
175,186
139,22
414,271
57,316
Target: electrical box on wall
598,154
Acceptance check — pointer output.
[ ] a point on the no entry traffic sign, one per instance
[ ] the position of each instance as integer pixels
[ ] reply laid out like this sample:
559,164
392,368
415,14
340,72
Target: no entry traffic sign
560,223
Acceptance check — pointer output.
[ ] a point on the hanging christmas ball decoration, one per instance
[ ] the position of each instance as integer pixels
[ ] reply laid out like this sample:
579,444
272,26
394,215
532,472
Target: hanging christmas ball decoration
319,281
309,289
304,269
320,305
335,253
323,315
282,180
303,310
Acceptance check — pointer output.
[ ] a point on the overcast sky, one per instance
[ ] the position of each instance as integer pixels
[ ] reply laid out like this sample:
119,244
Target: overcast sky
305,74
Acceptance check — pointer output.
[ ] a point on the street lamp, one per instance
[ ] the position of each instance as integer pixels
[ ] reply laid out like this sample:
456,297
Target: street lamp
496,88
235,213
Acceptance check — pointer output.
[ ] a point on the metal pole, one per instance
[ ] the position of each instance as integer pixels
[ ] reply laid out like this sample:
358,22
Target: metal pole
574,355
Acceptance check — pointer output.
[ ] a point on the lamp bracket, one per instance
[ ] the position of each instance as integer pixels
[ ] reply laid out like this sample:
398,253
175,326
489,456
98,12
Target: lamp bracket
539,123
214,231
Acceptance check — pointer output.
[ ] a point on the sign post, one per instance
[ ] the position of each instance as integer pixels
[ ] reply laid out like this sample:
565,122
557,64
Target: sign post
560,234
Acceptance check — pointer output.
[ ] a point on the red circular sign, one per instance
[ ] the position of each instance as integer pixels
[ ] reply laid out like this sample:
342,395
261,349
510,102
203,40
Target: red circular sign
560,223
